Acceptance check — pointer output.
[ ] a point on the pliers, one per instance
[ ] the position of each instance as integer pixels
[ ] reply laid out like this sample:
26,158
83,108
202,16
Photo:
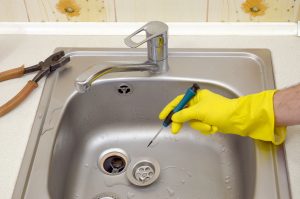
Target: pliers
45,68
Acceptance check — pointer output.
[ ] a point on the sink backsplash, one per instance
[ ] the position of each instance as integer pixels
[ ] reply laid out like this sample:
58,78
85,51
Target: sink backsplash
147,10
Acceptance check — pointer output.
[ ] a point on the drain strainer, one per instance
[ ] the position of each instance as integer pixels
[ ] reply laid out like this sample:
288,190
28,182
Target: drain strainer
107,195
143,171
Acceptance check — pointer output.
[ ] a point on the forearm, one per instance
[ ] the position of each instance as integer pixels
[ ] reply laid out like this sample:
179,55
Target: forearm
287,106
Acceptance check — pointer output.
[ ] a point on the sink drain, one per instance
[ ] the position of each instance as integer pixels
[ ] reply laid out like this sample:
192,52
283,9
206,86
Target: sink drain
107,195
143,172
124,89
113,161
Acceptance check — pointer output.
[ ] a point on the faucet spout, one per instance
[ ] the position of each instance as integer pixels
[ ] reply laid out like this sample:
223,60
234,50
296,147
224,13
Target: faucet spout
157,47
85,80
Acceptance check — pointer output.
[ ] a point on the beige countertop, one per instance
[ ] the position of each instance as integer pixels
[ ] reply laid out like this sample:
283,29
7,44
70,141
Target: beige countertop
29,49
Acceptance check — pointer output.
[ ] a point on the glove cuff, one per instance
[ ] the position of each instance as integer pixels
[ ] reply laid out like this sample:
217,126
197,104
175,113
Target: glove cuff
263,110
279,135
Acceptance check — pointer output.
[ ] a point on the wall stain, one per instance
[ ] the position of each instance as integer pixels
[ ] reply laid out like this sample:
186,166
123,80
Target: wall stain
68,7
254,7
270,10
82,10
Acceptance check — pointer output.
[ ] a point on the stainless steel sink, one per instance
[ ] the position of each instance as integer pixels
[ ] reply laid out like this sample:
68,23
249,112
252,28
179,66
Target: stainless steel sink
93,145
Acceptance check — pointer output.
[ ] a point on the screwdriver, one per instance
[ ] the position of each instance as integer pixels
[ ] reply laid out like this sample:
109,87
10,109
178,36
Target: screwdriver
189,94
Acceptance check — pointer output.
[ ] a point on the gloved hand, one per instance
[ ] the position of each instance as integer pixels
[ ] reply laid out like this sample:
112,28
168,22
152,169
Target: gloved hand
251,115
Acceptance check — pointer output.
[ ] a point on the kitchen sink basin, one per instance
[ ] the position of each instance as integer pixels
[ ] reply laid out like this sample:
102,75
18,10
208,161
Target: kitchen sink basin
93,145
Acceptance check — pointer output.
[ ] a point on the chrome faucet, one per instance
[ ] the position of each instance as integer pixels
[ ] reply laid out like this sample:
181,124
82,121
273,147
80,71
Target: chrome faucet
157,47
157,43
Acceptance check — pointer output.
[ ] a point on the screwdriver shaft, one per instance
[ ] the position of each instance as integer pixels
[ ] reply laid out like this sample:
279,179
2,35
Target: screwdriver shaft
160,130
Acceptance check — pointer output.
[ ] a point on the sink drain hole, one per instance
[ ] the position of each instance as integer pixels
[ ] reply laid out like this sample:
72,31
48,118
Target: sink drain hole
113,161
114,164
124,89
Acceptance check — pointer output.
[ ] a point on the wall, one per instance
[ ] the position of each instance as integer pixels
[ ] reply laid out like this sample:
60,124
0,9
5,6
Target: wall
147,10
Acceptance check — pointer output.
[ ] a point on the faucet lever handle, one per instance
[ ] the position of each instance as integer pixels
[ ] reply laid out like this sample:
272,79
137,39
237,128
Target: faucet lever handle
153,29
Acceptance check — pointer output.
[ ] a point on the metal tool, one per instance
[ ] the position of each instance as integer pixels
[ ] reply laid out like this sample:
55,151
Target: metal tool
45,67
189,94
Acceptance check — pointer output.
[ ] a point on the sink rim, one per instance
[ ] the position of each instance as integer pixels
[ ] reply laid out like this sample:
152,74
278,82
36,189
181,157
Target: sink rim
32,146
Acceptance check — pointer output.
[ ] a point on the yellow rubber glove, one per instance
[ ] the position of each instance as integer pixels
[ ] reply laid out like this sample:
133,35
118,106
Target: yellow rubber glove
251,115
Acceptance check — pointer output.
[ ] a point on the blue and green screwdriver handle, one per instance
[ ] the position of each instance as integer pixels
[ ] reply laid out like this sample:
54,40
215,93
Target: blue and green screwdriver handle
189,94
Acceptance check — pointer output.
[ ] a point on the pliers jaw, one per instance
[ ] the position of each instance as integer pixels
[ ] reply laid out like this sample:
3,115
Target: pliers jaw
49,65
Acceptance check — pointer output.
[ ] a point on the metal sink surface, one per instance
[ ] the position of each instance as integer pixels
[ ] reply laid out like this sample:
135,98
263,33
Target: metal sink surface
119,113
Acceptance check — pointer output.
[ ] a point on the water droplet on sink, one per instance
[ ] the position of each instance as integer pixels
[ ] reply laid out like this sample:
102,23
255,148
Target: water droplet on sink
86,165
182,181
169,167
189,174
229,187
130,195
227,179
170,191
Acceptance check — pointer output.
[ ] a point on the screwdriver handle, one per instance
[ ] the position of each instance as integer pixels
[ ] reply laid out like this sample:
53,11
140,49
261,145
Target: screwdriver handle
189,94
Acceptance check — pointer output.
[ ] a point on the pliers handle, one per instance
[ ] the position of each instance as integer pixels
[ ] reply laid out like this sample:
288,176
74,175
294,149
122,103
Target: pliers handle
13,73
45,67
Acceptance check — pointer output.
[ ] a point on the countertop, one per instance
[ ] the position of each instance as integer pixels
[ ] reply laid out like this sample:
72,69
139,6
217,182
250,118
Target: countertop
29,46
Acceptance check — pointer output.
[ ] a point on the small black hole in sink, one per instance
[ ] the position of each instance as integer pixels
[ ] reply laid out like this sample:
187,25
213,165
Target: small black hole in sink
124,89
